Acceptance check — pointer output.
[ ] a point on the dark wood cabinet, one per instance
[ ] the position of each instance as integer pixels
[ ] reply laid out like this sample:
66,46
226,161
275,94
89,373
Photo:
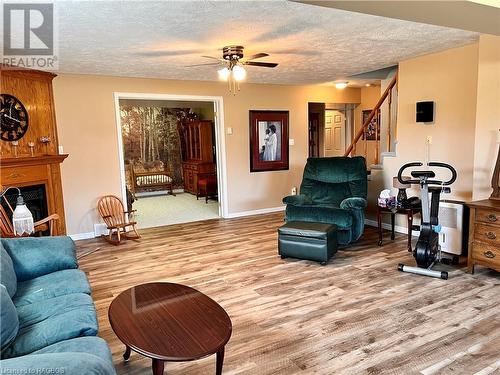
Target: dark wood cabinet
200,153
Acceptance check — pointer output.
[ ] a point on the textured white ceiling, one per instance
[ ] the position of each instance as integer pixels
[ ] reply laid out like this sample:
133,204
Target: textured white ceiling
311,44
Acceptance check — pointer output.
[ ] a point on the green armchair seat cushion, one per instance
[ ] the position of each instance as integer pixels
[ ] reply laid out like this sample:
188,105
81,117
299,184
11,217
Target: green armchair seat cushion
52,285
33,257
333,191
8,276
53,320
321,214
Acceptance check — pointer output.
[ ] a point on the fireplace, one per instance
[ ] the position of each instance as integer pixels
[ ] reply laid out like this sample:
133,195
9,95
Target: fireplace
35,199
35,169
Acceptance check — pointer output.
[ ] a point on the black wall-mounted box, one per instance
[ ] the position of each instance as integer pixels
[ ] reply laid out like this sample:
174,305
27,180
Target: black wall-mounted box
425,111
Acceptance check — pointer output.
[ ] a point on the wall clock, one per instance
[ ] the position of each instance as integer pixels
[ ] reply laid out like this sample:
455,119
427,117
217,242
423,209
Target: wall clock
13,118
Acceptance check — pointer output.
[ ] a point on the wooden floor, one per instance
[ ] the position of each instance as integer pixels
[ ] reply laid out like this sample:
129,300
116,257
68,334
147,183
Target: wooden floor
356,315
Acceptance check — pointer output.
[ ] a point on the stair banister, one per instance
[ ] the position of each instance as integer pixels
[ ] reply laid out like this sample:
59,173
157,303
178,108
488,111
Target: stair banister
371,116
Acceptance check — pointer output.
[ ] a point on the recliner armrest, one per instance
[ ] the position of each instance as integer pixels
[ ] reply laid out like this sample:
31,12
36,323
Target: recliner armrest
353,203
297,200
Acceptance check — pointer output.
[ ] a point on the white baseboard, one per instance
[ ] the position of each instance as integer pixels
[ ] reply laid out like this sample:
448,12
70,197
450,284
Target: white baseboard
82,236
255,212
397,228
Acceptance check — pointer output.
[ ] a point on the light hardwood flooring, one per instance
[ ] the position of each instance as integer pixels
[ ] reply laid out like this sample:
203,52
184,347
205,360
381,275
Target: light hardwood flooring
356,315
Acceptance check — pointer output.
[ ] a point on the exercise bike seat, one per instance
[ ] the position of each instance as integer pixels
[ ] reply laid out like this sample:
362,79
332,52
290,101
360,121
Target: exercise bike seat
418,174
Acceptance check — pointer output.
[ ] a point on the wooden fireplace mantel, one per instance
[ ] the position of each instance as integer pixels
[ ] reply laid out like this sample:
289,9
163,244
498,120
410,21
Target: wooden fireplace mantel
33,160
17,166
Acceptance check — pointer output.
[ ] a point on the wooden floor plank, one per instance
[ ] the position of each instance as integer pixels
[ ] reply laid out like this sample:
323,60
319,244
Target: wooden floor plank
356,315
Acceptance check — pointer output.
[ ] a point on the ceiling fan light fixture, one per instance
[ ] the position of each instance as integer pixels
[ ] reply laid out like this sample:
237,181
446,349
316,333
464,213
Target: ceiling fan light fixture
341,85
239,73
224,74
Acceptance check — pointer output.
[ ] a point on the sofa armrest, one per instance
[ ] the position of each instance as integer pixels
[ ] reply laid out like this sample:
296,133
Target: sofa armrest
38,256
297,200
57,363
354,203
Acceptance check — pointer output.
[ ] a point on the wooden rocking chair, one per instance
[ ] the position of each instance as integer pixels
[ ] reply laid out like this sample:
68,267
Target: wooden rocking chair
112,212
7,229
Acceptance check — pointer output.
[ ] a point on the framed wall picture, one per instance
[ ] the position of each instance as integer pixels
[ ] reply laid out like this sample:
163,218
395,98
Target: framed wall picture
373,127
268,141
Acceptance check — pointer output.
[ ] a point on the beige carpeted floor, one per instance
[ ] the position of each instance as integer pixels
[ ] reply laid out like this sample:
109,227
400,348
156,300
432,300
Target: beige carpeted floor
158,210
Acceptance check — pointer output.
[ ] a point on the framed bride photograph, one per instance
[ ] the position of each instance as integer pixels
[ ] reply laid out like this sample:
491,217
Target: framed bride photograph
268,140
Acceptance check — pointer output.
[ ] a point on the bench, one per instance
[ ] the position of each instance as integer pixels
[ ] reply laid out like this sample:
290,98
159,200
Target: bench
151,181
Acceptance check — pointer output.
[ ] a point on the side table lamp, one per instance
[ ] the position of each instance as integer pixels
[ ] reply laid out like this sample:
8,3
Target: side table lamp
22,219
402,198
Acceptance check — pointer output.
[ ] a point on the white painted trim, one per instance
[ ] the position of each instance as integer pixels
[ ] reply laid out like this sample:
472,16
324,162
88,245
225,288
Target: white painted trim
387,226
220,140
82,236
255,212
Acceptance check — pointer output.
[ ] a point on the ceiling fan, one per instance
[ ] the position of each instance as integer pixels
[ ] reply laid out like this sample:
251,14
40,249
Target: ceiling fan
233,60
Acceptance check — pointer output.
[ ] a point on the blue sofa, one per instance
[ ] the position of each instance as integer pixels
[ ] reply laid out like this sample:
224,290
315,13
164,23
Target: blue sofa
48,320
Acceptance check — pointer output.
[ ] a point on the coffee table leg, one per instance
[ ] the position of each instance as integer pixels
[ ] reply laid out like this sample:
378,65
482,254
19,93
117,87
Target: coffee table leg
158,367
126,355
220,361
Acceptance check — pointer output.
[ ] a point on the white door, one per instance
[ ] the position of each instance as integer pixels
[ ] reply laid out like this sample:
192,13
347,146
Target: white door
334,133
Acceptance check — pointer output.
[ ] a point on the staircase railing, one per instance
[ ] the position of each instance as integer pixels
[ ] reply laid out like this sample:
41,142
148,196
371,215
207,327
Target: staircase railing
375,112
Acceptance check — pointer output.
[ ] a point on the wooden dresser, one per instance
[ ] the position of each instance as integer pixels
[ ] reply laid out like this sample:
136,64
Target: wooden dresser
200,153
484,234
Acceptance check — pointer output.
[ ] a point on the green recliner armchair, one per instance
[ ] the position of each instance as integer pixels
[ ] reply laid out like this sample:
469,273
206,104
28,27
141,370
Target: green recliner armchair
333,191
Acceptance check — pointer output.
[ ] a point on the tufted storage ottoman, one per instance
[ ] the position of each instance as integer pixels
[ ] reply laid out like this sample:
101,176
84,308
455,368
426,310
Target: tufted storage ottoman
307,240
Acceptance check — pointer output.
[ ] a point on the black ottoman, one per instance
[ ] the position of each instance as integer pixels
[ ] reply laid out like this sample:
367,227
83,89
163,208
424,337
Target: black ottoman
307,240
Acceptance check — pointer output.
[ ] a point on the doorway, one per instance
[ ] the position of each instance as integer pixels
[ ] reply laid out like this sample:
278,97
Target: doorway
331,126
171,157
335,122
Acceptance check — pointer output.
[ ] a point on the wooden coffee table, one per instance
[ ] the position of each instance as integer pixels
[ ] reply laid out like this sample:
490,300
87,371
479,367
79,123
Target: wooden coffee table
170,322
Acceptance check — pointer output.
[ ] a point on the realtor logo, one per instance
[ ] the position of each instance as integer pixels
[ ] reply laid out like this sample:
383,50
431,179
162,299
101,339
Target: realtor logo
28,35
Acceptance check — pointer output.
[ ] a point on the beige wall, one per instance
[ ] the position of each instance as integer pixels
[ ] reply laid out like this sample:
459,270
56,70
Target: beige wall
449,79
487,116
369,98
87,129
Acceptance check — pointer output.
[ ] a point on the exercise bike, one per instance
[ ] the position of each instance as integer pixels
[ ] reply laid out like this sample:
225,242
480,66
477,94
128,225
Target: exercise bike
427,250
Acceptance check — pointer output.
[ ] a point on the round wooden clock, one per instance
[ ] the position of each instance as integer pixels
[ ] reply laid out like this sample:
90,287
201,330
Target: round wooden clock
13,118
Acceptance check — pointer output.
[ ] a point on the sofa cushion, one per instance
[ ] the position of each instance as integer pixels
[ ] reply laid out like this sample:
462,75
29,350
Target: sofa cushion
54,284
9,322
33,257
7,273
58,363
53,320
89,344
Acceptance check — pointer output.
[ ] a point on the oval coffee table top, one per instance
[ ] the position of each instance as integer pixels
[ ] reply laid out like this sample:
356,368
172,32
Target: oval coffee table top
169,322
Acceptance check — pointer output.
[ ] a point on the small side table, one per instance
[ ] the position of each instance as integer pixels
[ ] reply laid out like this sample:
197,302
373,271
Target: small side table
409,212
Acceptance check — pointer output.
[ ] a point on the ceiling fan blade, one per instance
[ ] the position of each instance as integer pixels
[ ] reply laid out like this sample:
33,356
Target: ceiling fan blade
256,56
213,58
205,64
166,53
261,64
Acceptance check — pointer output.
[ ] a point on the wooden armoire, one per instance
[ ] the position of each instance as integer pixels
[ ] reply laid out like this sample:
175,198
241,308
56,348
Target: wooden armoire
199,138
32,162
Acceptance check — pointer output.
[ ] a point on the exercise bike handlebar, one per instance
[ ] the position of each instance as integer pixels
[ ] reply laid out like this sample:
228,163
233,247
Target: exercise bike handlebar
429,182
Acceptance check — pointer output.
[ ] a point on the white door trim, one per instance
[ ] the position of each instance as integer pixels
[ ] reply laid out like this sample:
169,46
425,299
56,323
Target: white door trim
220,139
